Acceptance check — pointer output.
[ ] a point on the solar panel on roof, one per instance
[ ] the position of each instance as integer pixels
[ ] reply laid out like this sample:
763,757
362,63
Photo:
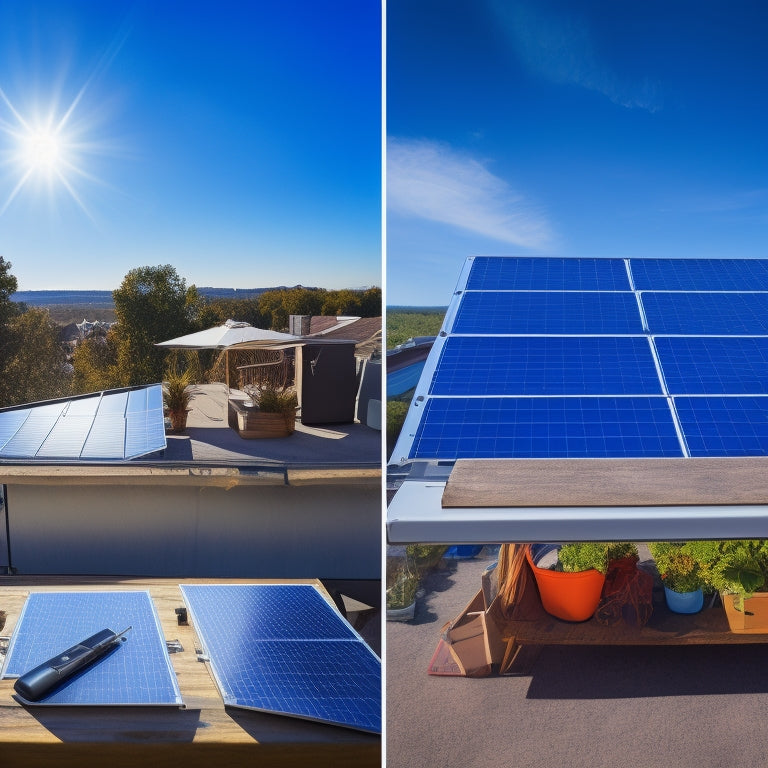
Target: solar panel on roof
724,426
548,274
693,314
496,312
283,648
549,365
120,424
546,329
138,673
545,427
696,365
700,274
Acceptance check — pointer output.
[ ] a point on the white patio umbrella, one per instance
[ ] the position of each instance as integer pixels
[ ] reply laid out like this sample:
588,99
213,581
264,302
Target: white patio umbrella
227,335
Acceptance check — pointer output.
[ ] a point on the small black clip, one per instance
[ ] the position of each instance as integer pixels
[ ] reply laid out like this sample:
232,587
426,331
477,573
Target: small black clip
181,617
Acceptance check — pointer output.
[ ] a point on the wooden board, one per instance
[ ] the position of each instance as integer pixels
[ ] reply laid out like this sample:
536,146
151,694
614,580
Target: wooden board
205,733
606,482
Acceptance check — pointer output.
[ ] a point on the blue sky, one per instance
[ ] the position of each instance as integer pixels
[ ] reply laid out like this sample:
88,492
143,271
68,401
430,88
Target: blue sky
238,141
547,127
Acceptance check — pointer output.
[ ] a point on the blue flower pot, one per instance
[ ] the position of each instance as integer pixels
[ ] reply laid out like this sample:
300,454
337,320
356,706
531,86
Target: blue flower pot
684,602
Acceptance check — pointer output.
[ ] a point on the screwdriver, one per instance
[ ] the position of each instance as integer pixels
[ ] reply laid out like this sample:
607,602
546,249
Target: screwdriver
41,680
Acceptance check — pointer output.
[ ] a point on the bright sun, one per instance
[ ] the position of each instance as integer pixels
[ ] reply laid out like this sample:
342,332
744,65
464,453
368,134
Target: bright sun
41,150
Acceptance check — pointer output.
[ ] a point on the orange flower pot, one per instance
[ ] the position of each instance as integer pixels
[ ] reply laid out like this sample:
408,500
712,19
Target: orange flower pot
568,596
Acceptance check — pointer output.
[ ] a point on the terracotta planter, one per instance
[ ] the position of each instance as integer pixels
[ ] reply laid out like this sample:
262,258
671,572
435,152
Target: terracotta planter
568,596
753,619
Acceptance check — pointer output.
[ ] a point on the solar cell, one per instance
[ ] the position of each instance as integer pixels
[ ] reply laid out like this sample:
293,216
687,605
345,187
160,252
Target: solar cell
724,426
495,312
714,365
700,274
733,314
547,274
554,365
138,672
545,427
283,648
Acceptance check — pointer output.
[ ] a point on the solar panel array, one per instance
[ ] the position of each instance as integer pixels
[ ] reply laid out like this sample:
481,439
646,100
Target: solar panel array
139,672
112,425
570,358
283,648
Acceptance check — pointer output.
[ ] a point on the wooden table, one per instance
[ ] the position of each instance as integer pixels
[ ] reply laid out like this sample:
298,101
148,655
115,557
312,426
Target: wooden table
204,733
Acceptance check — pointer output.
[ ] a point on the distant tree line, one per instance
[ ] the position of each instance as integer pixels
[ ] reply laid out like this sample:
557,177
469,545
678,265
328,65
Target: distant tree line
152,304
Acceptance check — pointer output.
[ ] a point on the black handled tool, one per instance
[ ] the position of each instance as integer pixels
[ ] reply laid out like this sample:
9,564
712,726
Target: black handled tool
41,680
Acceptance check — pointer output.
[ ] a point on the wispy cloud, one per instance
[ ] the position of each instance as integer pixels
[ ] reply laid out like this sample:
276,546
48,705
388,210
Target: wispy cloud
560,48
433,181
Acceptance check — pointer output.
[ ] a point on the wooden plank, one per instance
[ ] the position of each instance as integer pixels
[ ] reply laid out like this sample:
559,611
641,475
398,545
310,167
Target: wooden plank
206,732
606,482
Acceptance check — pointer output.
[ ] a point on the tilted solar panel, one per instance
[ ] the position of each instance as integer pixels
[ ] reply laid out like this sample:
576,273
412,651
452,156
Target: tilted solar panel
693,314
111,425
539,330
545,427
724,426
700,274
545,365
139,672
283,648
714,365
497,312
548,274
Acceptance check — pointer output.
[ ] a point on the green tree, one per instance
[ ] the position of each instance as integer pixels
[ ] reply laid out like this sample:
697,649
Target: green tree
95,364
152,304
34,361
8,286
343,302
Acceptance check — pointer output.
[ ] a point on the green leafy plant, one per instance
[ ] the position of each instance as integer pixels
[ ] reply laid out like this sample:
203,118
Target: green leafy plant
402,583
585,555
678,568
270,399
425,556
733,566
177,394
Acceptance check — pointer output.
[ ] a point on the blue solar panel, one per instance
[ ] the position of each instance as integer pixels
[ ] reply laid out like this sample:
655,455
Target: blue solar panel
547,274
545,427
494,312
121,424
735,314
138,672
724,426
553,365
283,648
695,365
700,274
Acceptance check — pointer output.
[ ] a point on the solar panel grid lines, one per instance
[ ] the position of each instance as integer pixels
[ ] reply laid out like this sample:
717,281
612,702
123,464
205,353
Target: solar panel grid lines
283,648
548,312
546,365
695,314
138,673
522,330
111,425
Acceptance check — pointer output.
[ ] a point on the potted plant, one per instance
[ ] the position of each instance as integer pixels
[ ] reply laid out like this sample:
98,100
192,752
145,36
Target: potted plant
270,413
177,395
681,575
402,583
572,587
738,570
